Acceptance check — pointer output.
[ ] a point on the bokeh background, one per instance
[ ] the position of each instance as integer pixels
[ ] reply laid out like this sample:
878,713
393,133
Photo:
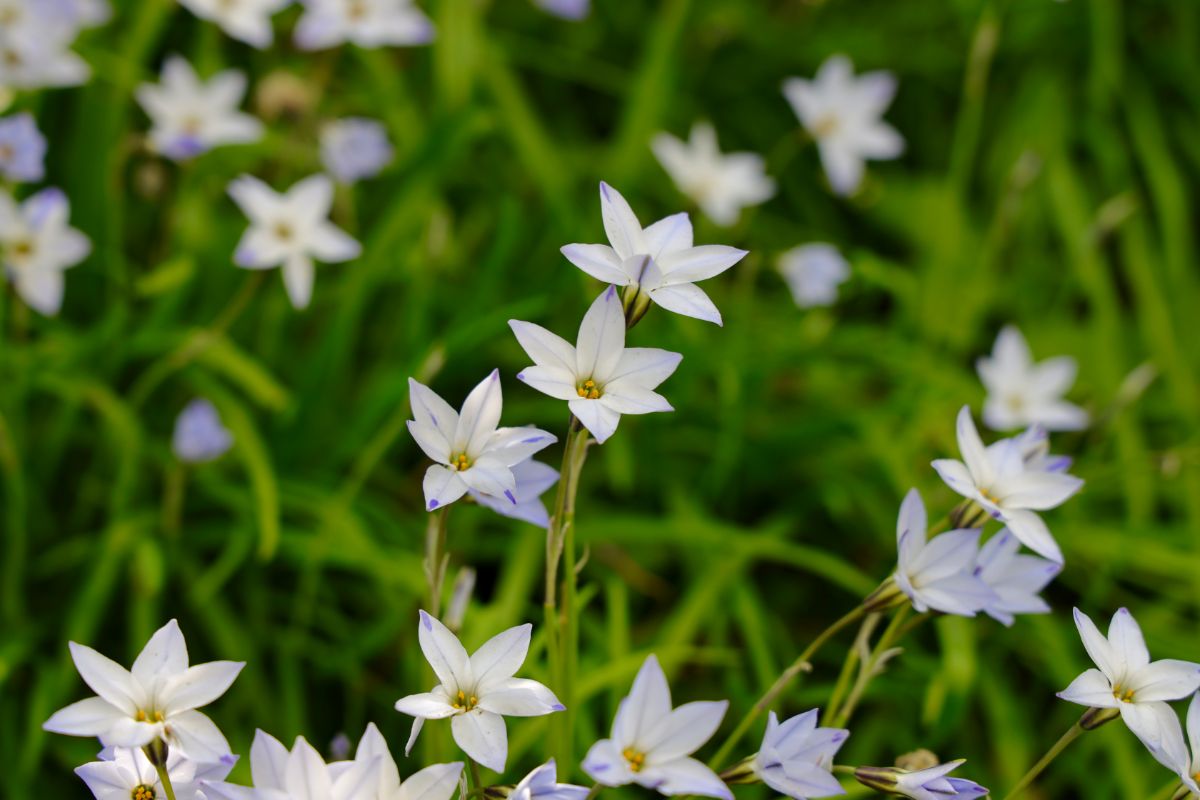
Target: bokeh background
1049,181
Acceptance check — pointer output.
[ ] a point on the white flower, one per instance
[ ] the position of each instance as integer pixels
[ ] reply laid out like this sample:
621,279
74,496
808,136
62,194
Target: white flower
299,775
90,13
156,699
533,478
199,435
813,273
35,46
1033,443
1174,753
659,261
1127,679
651,744
1014,578
22,149
796,757
997,479
37,245
938,574
355,148
844,115
122,772
542,784
1022,393
437,782
366,23
470,451
477,691
248,21
290,230
192,117
600,378
567,9
721,184
924,784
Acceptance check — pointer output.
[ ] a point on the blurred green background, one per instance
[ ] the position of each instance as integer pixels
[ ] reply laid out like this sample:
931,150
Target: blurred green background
1049,181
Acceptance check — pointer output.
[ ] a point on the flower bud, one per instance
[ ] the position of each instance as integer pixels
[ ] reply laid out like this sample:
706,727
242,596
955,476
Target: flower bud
882,779
1095,717
742,772
635,302
887,596
497,792
969,514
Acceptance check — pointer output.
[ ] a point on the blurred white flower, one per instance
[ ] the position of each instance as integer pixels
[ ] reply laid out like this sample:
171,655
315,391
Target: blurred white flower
542,784
599,377
290,230
533,479
199,435
437,782
1173,752
925,784
90,13
796,757
123,773
998,481
355,148
658,262
814,272
722,184
651,744
191,116
1127,680
567,9
470,451
1014,578
366,23
1033,444
1022,393
298,775
248,21
844,115
940,573
35,45
156,699
37,245
477,691
22,149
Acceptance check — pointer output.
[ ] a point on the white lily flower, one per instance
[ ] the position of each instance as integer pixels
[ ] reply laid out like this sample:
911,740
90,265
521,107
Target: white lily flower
542,784
156,699
300,774
355,148
999,482
1023,393
35,46
651,744
924,784
940,573
199,436
191,116
533,478
600,378
37,245
1126,678
722,184
470,451
290,230
658,262
796,757
477,691
123,773
1014,578
437,782
1174,753
844,114
813,273
366,23
247,21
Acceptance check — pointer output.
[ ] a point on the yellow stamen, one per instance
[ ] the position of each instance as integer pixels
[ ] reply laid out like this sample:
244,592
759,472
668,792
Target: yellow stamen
637,760
140,716
588,389
463,702
142,792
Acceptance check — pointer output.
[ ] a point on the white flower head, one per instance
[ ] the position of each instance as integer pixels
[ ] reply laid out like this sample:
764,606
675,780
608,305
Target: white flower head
123,773
659,261
477,691
796,757
355,148
533,479
22,149
199,435
599,377
1173,752
939,573
844,114
247,21
37,244
813,273
542,784
997,479
290,230
301,773
155,700
470,451
366,23
191,116
437,782
1014,578
1127,680
35,45
722,184
651,744
1023,393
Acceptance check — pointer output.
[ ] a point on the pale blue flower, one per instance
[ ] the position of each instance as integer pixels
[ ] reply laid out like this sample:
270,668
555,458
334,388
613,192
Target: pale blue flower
924,784
939,573
22,149
355,148
813,273
1014,578
796,757
533,479
199,434
366,23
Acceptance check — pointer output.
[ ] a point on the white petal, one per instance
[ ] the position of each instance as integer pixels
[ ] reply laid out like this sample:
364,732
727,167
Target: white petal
331,244
669,235
90,717
687,299
1033,533
431,441
42,290
515,446
482,736
684,776
127,732
360,781
1036,490
430,409
298,276
646,366
1148,721
620,224
972,450
257,200
479,416
442,486
199,685
601,337
963,594
698,263
499,658
307,775
106,678
956,475
624,397
558,383
437,782
545,348
843,166
598,260
600,420
605,765
648,703
491,476
683,731
520,697
1168,679
427,705
197,737
260,248
107,779
1054,376
268,762
1128,645
1098,647
912,519
947,554
445,654
310,199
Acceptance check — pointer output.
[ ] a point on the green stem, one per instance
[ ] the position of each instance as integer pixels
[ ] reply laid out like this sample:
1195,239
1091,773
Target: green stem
1037,769
476,780
165,780
435,558
595,790
843,682
867,673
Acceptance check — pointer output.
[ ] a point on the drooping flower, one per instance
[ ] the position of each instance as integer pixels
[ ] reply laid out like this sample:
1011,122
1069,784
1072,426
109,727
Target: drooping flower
925,784
651,744
436,782
657,264
1023,393
533,478
722,184
123,773
796,757
191,116
599,377
542,784
301,773
1127,680
469,450
1173,752
155,700
22,149
998,481
247,21
844,114
366,23
573,10
477,691
35,46
290,230
1014,578
199,435
355,148
813,273
37,244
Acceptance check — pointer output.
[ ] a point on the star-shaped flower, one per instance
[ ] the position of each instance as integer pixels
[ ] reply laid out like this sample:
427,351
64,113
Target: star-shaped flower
940,573
1023,393
366,23
37,245
1014,578
22,149
35,46
924,784
437,782
199,435
123,773
300,774
355,148
796,757
248,21
542,784
722,184
813,273
533,479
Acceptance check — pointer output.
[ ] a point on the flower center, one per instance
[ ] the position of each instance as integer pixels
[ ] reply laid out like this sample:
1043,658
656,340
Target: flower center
22,249
192,126
989,496
11,58
9,15
283,231
825,126
356,10
142,716
142,792
588,389
1122,694
460,463
636,759
465,702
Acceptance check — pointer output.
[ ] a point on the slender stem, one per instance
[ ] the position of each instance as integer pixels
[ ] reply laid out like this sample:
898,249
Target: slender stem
842,769
1037,769
869,668
165,779
801,664
595,790
476,780
843,682
435,558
